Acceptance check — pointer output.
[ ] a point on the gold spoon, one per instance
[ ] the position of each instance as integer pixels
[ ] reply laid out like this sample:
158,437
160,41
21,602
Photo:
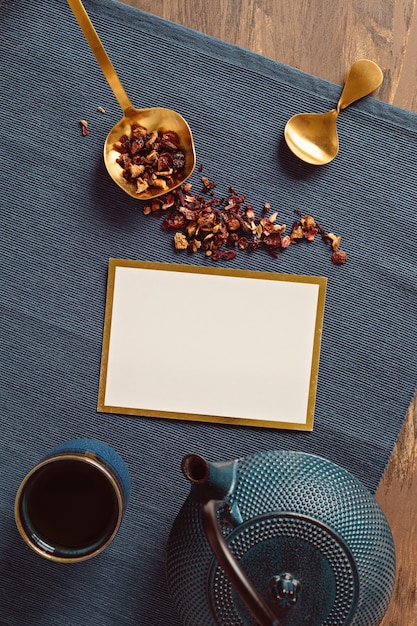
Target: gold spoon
312,137
153,119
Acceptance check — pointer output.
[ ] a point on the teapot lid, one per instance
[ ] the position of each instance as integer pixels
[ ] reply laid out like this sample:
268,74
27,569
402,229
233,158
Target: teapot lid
299,565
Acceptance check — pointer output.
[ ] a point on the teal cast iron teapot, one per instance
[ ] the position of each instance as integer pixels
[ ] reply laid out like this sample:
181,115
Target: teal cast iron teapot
278,538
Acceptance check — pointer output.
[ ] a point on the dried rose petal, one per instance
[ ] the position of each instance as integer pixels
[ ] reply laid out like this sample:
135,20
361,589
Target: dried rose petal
169,200
174,221
310,234
170,137
285,241
227,255
273,240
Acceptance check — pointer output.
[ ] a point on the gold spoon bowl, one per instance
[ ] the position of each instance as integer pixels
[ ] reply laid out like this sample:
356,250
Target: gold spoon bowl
313,137
153,119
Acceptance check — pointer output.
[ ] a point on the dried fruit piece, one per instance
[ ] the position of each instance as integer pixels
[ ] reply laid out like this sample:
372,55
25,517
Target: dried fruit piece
339,257
180,241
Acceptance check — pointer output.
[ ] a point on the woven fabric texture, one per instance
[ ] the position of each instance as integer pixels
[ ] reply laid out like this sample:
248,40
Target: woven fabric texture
62,218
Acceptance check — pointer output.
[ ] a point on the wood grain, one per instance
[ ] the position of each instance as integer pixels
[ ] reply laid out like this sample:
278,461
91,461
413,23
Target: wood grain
324,39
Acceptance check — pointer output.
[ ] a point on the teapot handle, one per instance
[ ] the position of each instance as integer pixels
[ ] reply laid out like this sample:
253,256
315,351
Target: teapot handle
237,577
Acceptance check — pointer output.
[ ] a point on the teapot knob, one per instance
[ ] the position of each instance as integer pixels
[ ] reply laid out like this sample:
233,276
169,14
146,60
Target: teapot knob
285,589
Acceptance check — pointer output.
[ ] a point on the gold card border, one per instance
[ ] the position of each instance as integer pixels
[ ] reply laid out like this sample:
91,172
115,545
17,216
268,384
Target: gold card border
321,281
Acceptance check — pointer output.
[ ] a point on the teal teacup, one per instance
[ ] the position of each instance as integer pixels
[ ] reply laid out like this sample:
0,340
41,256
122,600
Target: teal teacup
69,507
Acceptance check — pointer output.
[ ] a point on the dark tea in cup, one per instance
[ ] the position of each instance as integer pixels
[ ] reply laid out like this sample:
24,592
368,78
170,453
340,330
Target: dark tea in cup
70,506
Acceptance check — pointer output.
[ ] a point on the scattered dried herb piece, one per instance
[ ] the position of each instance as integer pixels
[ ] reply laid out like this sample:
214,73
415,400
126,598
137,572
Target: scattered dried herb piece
222,227
180,241
84,127
149,159
339,257
307,228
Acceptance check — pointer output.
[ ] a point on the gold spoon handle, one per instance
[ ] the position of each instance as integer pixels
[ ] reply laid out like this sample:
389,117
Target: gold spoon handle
99,52
363,78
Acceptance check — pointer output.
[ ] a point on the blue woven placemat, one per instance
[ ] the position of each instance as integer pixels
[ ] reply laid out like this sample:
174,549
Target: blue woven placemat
62,218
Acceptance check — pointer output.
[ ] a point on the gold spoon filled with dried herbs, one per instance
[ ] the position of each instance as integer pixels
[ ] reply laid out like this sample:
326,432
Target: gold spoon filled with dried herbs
149,151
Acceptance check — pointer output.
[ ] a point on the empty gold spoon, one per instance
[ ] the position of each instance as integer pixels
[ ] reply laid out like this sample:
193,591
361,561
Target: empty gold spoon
153,119
313,136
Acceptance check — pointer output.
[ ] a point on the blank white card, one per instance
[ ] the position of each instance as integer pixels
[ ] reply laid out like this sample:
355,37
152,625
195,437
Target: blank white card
211,344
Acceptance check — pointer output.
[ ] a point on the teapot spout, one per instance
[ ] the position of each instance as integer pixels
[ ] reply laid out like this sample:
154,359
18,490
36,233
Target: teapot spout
211,478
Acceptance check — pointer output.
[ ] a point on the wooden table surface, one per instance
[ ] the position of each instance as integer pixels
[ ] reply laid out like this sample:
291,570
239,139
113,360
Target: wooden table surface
324,38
